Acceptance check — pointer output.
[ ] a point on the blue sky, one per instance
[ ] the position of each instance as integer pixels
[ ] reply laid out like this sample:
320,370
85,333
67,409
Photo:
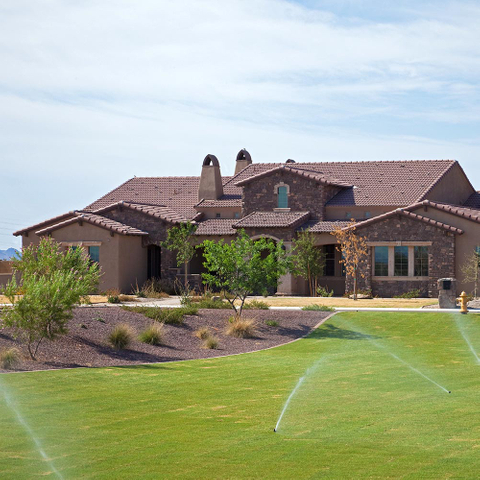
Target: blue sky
95,92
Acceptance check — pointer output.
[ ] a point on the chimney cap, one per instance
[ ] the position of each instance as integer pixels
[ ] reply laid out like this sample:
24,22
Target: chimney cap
244,155
211,159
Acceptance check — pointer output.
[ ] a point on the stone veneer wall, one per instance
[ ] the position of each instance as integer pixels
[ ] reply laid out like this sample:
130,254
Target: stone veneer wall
157,230
441,255
305,195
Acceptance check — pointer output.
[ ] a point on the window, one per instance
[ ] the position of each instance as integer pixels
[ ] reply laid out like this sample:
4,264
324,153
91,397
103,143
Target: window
236,215
282,197
420,262
348,215
94,254
218,215
381,261
401,262
368,214
329,270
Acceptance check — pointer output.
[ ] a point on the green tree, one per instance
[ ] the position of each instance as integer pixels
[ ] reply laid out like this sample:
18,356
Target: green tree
308,260
471,269
244,266
179,239
52,281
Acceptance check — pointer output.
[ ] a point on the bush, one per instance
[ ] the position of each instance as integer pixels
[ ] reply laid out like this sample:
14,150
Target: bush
318,308
9,358
272,323
153,335
121,337
411,294
202,333
113,296
170,316
256,305
156,288
211,342
324,292
211,303
242,327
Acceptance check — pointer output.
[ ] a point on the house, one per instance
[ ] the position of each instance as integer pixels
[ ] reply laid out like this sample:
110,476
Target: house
420,218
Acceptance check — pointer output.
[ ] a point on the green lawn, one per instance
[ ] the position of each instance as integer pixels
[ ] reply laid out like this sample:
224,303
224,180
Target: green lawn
359,413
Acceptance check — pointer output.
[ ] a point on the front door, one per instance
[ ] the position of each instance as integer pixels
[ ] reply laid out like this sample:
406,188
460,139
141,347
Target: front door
154,262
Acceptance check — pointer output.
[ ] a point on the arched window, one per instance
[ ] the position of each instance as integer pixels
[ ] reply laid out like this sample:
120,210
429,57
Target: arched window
282,197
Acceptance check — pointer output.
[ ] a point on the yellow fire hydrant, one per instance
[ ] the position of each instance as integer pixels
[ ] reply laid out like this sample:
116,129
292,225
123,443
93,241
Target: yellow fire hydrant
463,302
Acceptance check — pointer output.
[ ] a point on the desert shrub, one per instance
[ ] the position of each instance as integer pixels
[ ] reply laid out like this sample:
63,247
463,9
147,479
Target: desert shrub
157,288
415,293
121,337
318,308
256,305
210,342
153,335
272,323
211,303
241,327
324,292
9,358
202,333
171,316
113,295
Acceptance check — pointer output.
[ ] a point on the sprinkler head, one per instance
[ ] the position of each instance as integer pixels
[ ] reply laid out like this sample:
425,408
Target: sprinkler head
449,391
274,429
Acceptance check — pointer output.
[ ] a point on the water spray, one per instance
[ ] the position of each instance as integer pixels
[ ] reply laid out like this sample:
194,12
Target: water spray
467,341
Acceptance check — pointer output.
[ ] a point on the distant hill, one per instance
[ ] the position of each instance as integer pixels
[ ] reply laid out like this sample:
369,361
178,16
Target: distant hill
8,254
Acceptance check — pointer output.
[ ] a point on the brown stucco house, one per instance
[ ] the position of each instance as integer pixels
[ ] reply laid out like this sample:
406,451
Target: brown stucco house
421,218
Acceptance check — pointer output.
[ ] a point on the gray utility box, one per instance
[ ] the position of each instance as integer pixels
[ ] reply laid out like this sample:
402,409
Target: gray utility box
447,292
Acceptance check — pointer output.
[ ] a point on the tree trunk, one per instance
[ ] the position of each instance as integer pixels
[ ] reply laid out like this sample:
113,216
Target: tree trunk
186,276
355,285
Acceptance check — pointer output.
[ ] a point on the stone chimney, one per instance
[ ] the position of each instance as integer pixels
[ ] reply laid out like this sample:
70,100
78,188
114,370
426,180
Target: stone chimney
243,160
210,187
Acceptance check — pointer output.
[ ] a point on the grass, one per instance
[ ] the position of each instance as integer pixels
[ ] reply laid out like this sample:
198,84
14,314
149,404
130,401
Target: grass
121,337
241,327
172,316
211,342
347,302
359,413
153,334
315,307
9,358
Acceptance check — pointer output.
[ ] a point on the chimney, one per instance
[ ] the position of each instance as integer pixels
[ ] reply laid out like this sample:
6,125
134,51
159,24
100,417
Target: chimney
243,160
210,187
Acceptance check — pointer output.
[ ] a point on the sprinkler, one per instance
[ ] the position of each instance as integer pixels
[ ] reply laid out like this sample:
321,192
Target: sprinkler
274,429
449,391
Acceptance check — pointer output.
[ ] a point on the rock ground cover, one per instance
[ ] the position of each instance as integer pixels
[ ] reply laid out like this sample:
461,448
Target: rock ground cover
86,342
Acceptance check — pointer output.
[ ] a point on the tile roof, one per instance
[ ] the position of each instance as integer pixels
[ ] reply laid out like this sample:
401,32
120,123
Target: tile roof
473,201
58,218
178,193
228,200
390,183
316,226
93,219
460,211
303,172
156,211
407,213
216,226
272,219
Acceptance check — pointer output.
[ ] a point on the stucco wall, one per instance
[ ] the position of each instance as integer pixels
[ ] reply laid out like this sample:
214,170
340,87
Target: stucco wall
305,195
464,244
453,188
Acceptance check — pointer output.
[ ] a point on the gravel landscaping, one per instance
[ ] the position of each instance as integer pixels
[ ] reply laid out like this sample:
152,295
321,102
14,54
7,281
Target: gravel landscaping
86,343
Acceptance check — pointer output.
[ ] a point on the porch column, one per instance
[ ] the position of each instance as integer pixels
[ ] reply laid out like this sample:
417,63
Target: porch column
287,282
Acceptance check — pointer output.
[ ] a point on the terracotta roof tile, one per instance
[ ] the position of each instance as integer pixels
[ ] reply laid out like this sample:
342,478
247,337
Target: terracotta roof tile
156,211
93,219
216,226
224,201
407,213
324,226
58,218
272,219
395,183
460,211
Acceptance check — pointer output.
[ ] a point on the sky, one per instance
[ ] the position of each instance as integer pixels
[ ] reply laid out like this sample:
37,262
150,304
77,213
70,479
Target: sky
95,92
